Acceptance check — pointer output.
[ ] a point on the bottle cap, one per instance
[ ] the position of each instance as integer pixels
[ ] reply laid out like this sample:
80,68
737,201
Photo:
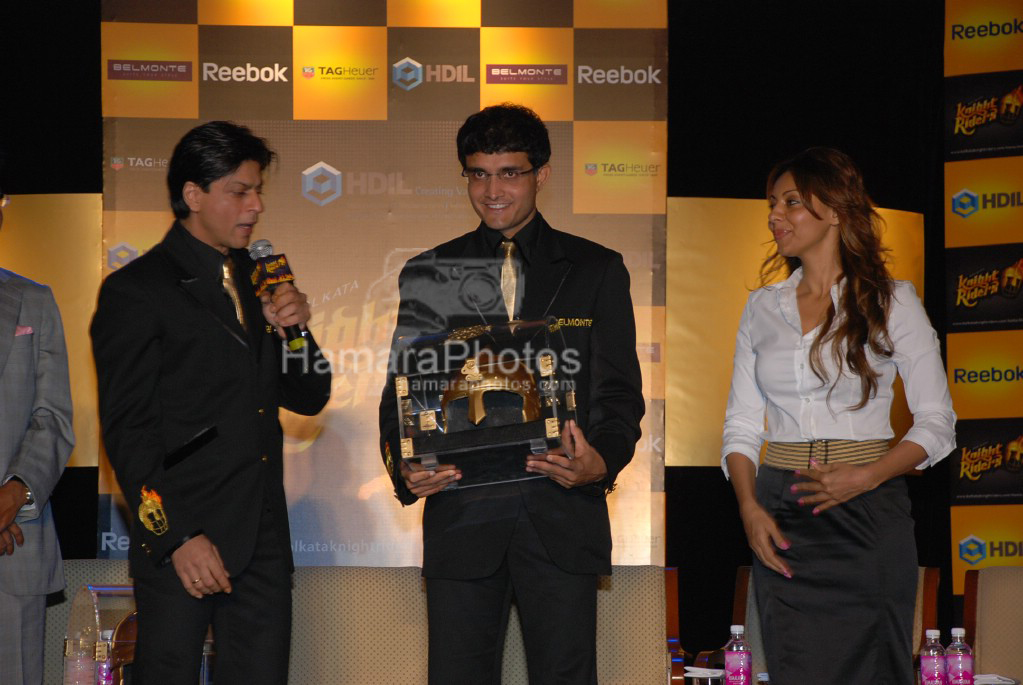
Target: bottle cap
958,632
738,629
932,633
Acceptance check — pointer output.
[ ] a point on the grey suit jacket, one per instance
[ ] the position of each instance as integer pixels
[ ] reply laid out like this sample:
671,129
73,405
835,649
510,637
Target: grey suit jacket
35,426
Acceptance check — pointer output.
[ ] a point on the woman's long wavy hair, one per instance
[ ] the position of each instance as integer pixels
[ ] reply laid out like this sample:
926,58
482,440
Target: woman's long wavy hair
832,178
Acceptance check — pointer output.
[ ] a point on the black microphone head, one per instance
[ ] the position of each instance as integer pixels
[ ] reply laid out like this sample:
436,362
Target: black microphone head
260,249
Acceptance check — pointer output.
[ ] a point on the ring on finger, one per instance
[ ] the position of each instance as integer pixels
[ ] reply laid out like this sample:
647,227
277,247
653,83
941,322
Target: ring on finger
196,581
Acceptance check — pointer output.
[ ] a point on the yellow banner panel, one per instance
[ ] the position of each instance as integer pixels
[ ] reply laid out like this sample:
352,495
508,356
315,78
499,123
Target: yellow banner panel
340,72
434,13
983,536
714,251
34,225
529,66
985,374
150,70
621,14
247,12
983,36
619,167
983,201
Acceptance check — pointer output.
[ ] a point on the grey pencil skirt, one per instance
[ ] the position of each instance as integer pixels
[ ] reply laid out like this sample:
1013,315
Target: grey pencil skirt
846,615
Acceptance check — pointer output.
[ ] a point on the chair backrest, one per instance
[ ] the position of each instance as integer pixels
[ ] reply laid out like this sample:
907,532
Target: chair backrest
365,625
353,624
992,616
745,611
925,611
631,633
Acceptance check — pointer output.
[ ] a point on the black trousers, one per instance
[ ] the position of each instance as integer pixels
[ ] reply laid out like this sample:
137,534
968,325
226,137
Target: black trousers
251,626
557,612
846,615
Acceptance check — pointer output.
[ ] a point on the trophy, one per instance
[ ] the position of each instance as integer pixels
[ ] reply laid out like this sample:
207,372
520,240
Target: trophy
484,397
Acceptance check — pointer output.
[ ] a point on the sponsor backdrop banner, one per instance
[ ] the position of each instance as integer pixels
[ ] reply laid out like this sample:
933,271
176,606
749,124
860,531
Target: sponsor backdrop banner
362,102
984,276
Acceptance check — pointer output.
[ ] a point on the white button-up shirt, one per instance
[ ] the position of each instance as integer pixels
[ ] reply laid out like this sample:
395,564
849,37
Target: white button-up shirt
771,377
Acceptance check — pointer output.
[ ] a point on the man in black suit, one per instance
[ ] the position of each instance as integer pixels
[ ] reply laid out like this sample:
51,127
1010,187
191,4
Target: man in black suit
191,374
542,541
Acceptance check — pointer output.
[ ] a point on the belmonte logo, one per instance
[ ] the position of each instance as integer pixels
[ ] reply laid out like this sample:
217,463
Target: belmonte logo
148,70
536,74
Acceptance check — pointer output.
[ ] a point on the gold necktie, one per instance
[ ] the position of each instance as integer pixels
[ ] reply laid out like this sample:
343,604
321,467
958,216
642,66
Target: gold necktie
232,291
509,276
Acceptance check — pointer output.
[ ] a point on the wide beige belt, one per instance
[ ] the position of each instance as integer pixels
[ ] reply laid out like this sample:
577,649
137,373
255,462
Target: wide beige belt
797,455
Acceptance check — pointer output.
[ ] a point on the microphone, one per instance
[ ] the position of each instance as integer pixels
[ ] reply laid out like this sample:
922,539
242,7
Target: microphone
272,270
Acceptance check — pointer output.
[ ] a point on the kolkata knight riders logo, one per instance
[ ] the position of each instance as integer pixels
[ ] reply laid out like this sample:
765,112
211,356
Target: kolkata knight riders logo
151,512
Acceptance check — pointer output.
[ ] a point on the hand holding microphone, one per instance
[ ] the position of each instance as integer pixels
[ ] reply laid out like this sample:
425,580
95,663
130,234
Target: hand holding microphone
282,302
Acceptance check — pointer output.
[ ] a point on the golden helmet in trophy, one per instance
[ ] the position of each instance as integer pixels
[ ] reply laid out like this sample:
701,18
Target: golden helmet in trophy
475,381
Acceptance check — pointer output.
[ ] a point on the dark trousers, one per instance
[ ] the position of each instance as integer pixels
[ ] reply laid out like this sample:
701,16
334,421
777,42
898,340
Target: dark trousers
251,626
557,612
846,615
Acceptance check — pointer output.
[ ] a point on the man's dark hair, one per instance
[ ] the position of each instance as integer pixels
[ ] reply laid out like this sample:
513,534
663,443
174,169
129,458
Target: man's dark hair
505,128
209,152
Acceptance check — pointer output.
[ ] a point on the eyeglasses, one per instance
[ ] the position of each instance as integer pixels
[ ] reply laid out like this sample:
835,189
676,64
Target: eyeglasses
479,176
4,200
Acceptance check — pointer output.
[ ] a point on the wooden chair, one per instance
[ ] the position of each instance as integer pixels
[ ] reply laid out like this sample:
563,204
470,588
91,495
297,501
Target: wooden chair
992,611
744,612
678,657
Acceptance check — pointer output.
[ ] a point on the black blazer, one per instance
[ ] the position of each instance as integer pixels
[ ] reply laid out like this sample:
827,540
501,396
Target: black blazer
586,286
188,402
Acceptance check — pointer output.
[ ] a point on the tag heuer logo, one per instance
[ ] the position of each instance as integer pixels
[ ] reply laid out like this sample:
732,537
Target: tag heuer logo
308,72
117,163
591,169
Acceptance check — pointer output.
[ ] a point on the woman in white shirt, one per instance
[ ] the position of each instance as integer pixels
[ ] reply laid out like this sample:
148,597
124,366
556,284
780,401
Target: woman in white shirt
827,515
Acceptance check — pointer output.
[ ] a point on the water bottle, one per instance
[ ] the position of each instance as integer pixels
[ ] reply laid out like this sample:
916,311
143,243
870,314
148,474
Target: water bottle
932,661
959,658
738,659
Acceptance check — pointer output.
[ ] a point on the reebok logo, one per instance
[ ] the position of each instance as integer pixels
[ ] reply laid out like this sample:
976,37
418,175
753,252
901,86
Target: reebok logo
248,73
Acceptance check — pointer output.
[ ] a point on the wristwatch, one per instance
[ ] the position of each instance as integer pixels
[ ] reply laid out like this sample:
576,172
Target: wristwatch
29,497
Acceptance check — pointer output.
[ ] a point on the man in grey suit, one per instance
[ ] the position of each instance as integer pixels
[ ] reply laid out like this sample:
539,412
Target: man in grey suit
35,442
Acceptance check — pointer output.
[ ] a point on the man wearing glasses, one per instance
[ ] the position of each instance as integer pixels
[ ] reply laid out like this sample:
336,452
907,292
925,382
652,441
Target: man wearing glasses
541,542
35,443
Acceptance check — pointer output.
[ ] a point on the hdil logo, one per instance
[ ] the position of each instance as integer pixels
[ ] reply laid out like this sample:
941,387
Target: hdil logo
408,73
972,550
120,254
965,203
321,184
